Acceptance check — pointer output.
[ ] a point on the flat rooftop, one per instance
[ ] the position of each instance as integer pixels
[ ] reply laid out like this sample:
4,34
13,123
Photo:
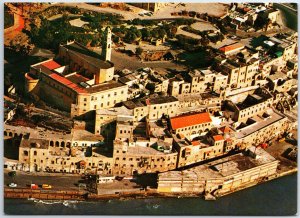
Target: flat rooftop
83,135
221,168
43,134
259,124
35,143
104,87
115,111
160,100
131,104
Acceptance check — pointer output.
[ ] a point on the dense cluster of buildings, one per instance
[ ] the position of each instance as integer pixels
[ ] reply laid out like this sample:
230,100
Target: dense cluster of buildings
147,122
245,15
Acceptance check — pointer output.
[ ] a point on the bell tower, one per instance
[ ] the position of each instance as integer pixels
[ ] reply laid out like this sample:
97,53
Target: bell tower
106,45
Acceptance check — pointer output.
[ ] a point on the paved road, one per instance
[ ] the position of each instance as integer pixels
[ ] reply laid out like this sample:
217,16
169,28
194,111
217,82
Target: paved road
58,182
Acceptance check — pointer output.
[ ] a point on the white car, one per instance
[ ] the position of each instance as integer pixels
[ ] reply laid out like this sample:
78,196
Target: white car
12,185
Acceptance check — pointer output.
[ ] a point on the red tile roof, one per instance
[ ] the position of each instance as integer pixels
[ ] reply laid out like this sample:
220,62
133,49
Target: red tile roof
195,143
218,138
51,64
225,129
231,47
190,120
67,83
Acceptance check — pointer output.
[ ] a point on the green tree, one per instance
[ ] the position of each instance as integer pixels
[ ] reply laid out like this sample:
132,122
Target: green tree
162,33
138,51
146,34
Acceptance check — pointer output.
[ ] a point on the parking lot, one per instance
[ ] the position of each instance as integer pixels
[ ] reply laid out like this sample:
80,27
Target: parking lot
23,180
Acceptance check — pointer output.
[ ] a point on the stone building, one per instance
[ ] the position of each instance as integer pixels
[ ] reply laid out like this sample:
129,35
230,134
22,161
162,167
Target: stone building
196,151
271,14
107,45
129,160
78,152
254,104
221,176
191,125
106,118
82,85
153,107
271,125
150,6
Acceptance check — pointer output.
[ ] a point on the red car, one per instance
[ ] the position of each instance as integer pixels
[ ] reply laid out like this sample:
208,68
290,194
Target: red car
34,186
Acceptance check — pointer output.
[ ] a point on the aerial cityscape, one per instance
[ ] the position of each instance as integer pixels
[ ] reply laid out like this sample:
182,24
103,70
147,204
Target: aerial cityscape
108,103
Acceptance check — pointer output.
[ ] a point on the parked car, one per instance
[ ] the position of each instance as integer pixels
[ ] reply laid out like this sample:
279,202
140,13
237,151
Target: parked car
12,185
46,186
34,186
82,185
12,173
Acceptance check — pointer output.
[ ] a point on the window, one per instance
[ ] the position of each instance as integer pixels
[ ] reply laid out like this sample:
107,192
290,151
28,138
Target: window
34,153
26,153
84,99
115,93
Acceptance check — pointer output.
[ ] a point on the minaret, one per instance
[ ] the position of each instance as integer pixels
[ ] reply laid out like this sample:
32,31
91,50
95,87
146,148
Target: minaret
106,46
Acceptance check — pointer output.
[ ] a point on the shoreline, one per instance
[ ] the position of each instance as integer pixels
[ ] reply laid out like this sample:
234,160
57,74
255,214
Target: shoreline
23,193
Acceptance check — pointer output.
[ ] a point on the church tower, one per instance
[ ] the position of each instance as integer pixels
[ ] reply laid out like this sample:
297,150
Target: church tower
106,45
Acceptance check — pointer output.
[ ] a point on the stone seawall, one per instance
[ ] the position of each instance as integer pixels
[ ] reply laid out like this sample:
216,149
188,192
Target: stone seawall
275,176
44,194
83,195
